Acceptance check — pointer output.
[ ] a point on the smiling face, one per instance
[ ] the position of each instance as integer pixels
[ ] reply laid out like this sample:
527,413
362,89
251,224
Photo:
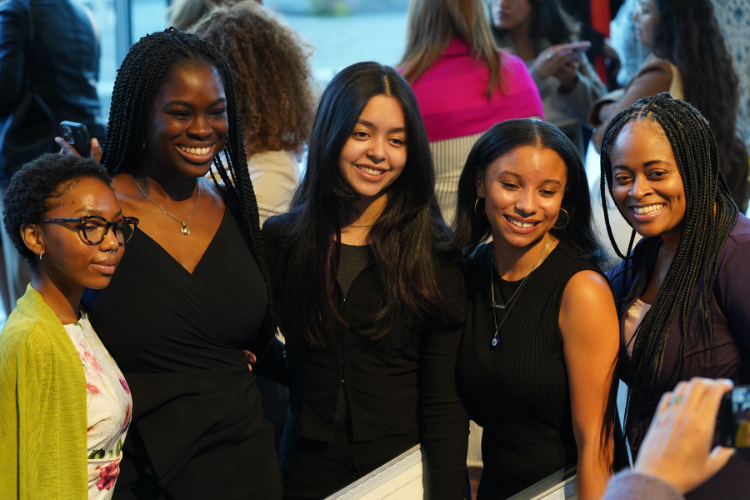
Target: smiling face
646,183
67,260
523,192
375,153
187,125
646,17
510,14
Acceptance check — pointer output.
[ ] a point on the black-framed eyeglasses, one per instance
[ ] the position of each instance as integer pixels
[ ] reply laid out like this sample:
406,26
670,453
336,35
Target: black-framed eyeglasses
94,228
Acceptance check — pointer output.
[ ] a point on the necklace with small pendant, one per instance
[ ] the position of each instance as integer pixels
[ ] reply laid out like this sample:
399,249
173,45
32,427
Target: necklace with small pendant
495,342
184,229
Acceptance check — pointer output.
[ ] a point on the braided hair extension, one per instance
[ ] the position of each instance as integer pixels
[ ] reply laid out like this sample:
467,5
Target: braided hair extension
148,64
710,214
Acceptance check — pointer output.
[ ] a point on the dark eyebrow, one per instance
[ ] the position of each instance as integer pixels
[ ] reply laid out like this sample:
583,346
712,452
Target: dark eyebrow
517,176
647,164
372,125
190,105
91,211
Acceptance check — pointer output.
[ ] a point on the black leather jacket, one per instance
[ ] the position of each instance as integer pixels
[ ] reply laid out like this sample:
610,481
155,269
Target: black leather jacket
63,61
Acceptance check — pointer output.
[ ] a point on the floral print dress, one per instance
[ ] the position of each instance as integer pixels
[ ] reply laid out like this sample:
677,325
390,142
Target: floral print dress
110,408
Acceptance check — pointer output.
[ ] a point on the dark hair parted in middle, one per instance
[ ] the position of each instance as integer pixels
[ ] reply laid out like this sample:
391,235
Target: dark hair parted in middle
500,140
710,214
405,239
33,191
147,65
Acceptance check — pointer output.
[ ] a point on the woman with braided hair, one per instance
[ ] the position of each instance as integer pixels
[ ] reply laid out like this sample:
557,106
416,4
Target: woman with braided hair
682,293
193,291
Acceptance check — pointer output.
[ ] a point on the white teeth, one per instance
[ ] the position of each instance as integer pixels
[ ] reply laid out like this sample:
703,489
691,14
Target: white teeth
524,225
195,151
648,210
370,171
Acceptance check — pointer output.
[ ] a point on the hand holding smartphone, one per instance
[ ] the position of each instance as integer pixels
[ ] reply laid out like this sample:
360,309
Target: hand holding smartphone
577,49
734,418
77,136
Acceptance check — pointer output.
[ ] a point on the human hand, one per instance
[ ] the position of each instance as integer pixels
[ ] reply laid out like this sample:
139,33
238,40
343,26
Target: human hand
677,447
568,76
67,149
551,59
250,358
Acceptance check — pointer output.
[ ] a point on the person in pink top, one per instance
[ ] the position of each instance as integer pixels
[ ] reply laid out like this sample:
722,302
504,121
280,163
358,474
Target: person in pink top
463,83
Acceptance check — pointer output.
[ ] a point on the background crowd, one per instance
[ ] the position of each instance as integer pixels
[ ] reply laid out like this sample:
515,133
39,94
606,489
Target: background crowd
363,245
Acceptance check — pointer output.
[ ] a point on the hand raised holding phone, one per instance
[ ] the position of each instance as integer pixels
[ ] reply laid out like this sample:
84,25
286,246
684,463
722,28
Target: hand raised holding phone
553,58
75,141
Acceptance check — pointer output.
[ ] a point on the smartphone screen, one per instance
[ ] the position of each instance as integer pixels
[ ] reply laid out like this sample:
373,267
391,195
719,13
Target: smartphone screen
735,418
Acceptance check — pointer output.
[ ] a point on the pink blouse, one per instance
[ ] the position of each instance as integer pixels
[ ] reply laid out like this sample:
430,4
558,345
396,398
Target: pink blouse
451,94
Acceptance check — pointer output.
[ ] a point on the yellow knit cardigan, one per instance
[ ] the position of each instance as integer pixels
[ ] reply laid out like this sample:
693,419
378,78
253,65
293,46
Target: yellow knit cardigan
42,407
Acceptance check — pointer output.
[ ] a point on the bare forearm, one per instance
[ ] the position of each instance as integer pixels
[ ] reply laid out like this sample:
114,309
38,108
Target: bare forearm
594,471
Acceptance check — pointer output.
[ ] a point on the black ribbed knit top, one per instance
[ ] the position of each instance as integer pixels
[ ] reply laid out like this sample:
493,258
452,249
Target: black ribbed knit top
518,392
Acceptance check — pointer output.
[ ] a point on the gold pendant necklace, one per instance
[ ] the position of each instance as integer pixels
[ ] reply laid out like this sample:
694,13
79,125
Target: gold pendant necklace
185,229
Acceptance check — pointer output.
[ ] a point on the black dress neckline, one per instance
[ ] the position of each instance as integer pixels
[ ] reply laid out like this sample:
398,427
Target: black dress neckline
215,237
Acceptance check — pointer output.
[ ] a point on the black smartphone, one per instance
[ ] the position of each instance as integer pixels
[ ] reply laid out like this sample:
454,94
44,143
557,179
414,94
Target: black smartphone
77,136
734,418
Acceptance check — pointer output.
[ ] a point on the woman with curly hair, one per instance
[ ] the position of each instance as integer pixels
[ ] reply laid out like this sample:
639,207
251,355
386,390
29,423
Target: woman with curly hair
690,61
275,95
65,407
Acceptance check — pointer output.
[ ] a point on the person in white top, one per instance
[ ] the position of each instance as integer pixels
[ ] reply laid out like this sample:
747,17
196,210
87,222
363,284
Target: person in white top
275,93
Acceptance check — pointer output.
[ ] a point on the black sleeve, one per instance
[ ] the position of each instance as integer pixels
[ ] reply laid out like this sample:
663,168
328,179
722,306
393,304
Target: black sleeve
14,41
444,425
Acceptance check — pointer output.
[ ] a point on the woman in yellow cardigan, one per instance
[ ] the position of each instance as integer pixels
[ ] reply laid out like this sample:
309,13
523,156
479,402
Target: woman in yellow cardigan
64,405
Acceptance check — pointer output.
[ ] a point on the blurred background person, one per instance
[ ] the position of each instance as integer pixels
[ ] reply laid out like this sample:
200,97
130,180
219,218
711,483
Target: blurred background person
49,67
732,17
182,14
683,293
541,33
463,84
275,92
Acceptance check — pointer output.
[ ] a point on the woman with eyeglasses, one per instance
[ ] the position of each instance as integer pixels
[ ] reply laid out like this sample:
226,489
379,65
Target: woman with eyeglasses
65,407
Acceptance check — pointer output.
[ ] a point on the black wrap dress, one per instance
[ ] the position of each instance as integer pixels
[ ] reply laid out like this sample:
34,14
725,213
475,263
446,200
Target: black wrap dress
198,430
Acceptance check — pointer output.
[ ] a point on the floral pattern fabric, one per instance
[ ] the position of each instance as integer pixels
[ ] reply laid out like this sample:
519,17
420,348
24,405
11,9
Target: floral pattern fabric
109,406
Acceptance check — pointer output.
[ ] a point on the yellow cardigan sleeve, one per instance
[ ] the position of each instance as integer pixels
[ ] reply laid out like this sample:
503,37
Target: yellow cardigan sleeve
42,412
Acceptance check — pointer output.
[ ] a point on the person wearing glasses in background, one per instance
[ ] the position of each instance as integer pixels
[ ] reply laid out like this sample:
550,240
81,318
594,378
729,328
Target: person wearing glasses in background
65,407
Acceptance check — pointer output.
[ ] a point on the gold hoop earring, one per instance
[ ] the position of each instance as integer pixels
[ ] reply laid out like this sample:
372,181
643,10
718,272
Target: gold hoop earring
567,219
475,208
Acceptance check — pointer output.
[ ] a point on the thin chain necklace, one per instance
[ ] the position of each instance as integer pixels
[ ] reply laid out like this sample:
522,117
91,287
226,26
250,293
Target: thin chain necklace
185,230
495,342
360,225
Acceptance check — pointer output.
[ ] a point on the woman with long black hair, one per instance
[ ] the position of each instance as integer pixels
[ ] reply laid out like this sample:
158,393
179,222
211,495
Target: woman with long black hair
537,359
682,293
368,299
